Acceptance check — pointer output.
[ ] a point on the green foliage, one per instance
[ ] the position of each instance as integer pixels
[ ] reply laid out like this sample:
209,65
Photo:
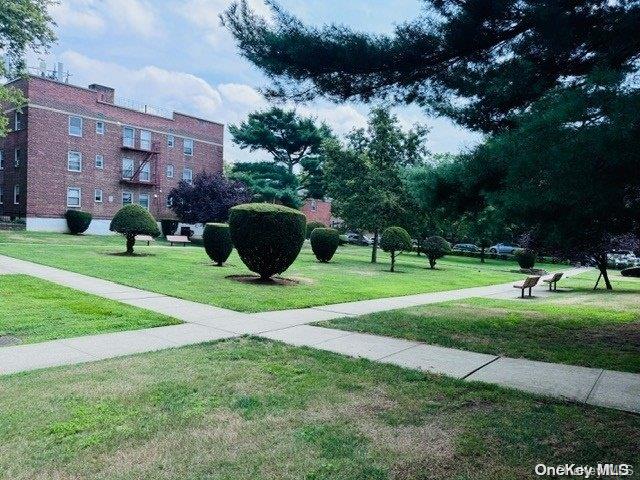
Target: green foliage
268,237
526,258
217,242
394,240
435,248
132,220
168,226
268,182
324,243
77,221
313,225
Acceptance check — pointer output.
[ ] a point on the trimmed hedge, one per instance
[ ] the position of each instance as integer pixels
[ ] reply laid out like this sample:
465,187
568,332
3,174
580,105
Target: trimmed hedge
311,226
526,258
631,272
132,220
217,242
77,221
168,226
268,237
395,239
434,248
324,243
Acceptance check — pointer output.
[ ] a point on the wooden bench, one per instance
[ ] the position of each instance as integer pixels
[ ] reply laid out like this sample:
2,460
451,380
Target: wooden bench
145,238
529,283
183,239
553,281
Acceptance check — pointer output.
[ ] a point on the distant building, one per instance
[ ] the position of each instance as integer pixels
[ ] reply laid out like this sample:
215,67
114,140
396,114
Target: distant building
75,148
317,211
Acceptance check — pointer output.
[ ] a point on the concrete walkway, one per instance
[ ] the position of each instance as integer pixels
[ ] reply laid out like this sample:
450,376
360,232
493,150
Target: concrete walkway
204,323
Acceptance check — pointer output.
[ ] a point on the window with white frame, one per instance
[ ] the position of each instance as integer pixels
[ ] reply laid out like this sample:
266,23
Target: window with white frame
169,171
171,141
145,172
74,161
97,195
187,175
100,127
100,162
1,160
169,202
75,126
145,140
127,168
16,195
73,197
17,156
1,195
187,146
128,137
127,198
143,200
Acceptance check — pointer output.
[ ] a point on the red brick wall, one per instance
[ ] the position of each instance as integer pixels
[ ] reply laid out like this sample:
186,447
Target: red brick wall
321,213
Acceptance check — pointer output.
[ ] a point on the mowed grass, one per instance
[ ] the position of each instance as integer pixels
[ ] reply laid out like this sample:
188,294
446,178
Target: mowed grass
187,272
579,327
250,409
35,310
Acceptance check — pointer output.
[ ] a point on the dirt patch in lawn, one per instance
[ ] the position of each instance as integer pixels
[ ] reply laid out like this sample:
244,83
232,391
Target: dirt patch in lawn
621,336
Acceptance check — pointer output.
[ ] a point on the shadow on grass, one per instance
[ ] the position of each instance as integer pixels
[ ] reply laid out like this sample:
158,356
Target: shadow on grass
256,280
130,255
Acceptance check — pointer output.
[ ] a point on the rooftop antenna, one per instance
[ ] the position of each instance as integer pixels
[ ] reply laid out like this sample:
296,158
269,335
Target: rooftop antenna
42,66
60,71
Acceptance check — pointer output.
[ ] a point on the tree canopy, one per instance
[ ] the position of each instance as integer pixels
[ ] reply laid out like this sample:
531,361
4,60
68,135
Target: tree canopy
268,182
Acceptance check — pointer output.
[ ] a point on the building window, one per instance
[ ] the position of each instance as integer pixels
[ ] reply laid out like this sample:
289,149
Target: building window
145,140
187,146
17,156
97,195
75,126
127,198
100,128
145,172
74,161
314,206
1,195
171,141
1,160
169,171
169,202
16,194
187,175
127,168
18,120
143,200
73,197
128,137
100,162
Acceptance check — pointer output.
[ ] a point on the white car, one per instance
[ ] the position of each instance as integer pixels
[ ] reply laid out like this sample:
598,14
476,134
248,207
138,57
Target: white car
504,248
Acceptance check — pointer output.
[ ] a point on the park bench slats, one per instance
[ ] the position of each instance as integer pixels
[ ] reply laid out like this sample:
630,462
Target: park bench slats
145,238
178,239
553,281
529,283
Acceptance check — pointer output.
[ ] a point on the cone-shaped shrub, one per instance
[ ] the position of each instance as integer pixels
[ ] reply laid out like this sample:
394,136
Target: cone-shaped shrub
77,221
132,220
217,242
434,248
311,226
168,226
268,237
393,241
526,258
324,243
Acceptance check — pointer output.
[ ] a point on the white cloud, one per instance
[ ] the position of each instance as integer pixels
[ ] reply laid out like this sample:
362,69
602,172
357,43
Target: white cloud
78,14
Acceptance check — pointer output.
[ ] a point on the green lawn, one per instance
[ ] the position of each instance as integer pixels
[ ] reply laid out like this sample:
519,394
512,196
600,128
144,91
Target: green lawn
35,311
581,327
186,272
249,409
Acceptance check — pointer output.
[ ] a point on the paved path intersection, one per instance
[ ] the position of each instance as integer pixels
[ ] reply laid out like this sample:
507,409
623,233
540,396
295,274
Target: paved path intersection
204,323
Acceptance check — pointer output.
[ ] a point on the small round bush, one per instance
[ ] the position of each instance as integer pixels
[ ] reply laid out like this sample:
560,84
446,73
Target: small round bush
526,258
77,221
168,226
132,220
217,242
434,248
311,226
268,237
394,240
631,272
324,243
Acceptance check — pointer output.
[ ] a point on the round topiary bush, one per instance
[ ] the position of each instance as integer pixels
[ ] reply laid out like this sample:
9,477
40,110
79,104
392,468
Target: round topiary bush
168,226
434,248
217,242
395,240
311,226
631,272
268,237
132,220
77,221
324,243
526,258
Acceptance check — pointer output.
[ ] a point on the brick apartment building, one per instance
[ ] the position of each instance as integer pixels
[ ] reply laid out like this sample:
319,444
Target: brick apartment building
73,147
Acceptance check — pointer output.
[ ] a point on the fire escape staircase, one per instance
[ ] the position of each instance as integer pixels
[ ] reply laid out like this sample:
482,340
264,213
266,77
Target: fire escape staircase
150,157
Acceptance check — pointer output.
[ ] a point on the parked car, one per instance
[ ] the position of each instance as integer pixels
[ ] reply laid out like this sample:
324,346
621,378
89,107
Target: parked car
504,248
358,239
620,259
466,247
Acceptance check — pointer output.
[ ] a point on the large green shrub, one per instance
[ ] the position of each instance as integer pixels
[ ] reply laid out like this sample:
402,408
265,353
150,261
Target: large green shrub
393,241
268,237
168,226
77,221
434,248
324,243
311,226
217,242
526,258
132,220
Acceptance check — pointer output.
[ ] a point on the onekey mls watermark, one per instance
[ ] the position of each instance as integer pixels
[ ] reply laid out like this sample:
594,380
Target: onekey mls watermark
584,471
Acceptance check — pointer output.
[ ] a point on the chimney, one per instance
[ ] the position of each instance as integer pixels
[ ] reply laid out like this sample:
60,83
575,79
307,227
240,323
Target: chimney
105,94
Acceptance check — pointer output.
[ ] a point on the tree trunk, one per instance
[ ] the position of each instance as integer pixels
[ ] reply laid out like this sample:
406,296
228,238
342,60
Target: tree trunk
131,241
432,263
482,255
393,260
374,250
602,267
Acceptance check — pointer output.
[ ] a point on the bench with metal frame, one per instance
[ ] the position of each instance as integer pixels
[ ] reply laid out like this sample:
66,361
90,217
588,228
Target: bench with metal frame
179,239
529,283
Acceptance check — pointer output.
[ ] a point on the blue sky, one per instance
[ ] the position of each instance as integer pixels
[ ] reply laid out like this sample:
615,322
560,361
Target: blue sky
175,54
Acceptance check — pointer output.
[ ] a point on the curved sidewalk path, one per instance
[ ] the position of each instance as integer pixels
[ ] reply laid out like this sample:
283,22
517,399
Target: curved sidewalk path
203,323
